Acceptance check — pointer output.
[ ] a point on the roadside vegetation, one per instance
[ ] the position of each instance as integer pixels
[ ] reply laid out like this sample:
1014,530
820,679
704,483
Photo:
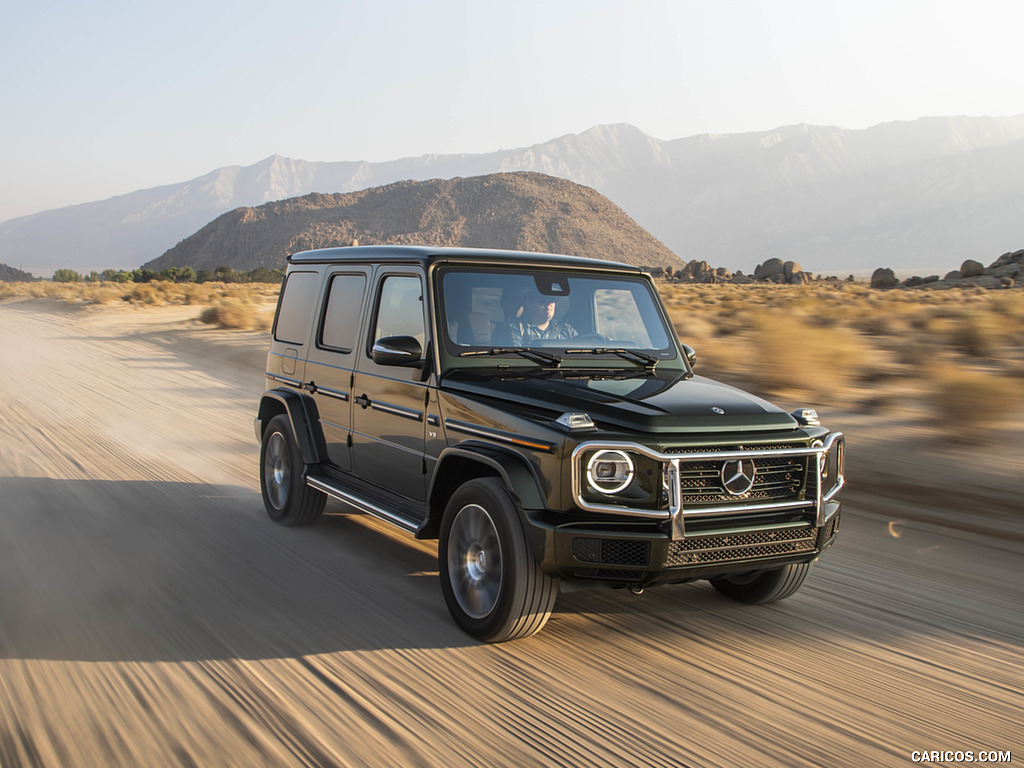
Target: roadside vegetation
956,354
238,305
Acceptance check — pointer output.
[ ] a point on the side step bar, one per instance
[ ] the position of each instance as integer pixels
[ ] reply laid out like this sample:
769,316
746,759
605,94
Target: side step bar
363,505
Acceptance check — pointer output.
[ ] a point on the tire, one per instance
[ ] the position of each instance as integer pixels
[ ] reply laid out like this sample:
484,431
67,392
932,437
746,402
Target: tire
289,501
492,584
763,586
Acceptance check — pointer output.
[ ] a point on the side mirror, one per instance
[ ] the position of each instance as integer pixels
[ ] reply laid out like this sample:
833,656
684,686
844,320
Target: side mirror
691,355
397,350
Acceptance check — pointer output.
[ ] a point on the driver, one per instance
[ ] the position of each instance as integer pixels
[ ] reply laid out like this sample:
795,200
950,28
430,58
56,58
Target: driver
537,321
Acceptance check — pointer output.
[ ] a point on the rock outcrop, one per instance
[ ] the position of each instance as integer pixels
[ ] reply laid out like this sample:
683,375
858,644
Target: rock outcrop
1005,272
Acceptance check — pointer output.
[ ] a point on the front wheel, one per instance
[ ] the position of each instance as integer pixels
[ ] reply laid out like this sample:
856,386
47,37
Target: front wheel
289,501
492,584
763,586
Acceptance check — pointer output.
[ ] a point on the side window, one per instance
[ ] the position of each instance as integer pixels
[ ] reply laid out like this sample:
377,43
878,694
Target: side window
341,316
295,310
400,308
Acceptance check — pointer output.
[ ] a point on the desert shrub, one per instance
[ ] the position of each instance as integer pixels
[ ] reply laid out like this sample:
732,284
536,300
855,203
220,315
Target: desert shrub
196,293
970,403
979,333
104,293
232,312
792,354
145,293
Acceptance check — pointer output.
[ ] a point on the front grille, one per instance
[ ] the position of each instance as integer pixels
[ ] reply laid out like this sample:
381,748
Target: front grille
612,551
777,478
724,548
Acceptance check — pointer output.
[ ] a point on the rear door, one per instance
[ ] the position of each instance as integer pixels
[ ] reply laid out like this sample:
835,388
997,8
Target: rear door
291,332
389,402
331,362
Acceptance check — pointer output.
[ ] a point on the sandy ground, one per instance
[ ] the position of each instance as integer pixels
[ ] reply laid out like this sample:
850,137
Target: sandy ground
151,615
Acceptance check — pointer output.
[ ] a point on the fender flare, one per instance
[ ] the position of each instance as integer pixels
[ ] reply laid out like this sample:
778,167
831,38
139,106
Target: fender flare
304,417
514,471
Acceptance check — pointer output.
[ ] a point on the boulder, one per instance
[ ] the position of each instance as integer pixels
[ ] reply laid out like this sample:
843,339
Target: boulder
801,278
972,268
789,269
954,275
769,269
884,278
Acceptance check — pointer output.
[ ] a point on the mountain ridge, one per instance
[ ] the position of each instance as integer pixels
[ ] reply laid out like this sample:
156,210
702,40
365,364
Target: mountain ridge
831,198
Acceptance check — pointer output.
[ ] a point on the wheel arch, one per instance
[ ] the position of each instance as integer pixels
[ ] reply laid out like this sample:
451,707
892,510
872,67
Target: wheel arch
304,417
457,465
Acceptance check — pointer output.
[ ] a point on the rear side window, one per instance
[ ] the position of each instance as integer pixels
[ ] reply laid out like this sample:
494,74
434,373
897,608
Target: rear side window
341,317
298,299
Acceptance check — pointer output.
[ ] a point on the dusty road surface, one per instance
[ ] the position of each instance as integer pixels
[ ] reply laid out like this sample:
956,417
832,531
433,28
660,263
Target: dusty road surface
151,615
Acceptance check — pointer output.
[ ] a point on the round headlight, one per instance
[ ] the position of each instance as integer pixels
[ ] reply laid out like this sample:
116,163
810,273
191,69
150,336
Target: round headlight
610,471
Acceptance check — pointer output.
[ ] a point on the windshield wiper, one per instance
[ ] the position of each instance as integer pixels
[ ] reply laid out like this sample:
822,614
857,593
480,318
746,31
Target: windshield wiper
529,354
648,361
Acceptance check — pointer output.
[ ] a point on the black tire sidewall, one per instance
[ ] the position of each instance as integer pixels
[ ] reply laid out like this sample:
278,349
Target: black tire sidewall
492,496
768,587
281,424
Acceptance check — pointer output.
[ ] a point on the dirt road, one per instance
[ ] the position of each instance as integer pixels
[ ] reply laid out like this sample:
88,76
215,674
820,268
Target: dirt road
151,615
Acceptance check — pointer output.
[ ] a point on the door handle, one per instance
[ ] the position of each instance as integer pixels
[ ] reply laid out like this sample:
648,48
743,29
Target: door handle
362,400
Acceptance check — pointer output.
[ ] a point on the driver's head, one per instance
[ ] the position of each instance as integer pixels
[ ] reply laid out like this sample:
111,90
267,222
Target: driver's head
538,309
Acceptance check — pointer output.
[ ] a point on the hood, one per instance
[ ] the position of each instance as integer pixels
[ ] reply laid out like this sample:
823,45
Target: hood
655,403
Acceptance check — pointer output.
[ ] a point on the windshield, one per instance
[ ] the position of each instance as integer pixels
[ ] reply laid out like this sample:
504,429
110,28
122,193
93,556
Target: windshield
497,312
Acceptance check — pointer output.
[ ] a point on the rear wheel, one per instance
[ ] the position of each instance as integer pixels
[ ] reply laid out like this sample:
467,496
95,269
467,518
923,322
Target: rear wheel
763,586
289,501
493,586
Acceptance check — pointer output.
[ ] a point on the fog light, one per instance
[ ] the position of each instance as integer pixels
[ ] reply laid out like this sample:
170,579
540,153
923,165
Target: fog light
610,471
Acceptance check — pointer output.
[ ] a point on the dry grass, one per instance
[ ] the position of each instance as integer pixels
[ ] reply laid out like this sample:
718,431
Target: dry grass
238,313
229,305
959,355
970,403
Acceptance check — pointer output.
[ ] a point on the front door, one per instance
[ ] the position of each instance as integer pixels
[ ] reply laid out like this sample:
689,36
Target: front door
389,402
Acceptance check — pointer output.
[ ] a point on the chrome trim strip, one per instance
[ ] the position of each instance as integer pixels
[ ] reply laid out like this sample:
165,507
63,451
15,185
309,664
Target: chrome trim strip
494,434
336,394
362,505
284,380
397,410
740,509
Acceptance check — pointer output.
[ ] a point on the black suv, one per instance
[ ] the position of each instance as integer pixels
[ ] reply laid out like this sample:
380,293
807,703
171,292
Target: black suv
538,415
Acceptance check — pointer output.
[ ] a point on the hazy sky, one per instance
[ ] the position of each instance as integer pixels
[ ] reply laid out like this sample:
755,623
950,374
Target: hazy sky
106,97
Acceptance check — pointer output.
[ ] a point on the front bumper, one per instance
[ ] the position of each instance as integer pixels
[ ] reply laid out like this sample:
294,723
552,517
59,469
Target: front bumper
629,554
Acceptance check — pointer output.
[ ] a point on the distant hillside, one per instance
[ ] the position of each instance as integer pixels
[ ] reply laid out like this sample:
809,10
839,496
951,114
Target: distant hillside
12,275
519,211
917,194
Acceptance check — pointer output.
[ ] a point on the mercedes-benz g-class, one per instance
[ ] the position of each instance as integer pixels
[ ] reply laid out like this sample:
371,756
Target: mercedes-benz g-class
537,415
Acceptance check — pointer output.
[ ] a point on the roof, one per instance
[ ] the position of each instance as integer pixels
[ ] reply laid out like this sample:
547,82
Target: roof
427,254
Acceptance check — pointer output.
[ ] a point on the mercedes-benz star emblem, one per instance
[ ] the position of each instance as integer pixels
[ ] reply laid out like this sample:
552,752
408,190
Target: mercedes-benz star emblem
738,476
717,410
